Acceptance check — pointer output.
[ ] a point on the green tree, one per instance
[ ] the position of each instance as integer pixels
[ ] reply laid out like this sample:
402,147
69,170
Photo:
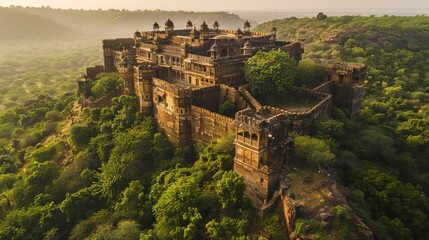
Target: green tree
176,213
228,109
85,200
230,190
309,73
321,16
105,83
227,228
131,203
313,150
270,73
80,135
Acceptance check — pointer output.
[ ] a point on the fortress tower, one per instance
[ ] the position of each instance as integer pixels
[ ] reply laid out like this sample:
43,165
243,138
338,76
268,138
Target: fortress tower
126,71
172,111
144,88
348,85
262,147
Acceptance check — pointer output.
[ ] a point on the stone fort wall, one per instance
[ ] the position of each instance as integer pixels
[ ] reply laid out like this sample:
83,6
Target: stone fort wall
211,97
207,125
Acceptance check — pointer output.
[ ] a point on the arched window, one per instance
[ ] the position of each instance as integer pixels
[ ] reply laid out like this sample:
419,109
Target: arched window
254,137
341,79
223,53
231,52
247,137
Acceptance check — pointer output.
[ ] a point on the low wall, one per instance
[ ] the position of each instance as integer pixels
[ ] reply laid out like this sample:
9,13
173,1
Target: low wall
211,97
289,211
327,87
303,120
207,125
105,101
250,99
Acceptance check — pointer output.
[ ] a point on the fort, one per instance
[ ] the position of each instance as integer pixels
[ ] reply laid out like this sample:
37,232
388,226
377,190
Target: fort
181,78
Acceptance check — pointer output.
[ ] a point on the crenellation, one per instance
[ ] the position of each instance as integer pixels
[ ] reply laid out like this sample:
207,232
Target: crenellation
181,77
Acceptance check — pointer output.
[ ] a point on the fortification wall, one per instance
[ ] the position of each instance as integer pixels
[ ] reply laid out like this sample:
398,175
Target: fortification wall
289,212
207,98
211,97
294,49
230,94
106,100
250,99
327,87
207,125
112,43
302,121
91,72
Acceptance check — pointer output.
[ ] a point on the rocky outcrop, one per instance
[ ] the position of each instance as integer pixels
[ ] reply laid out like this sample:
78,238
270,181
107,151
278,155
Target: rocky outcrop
316,206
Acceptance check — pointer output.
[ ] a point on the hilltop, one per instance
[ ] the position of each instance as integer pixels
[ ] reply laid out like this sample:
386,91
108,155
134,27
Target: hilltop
128,182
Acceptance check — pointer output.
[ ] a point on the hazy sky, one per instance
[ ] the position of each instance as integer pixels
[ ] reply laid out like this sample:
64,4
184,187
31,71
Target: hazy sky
224,4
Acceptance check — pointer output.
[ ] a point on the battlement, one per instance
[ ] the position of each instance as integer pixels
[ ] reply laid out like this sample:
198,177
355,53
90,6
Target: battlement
92,72
108,43
253,102
348,67
263,118
212,115
171,87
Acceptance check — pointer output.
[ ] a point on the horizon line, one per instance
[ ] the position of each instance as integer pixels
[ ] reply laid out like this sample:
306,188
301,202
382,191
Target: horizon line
230,10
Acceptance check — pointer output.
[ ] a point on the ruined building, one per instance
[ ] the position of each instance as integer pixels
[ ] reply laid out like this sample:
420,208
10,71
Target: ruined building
181,77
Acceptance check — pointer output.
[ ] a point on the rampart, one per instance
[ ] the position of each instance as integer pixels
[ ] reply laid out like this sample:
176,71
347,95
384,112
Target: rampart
327,87
113,43
91,72
207,125
211,97
106,100
250,99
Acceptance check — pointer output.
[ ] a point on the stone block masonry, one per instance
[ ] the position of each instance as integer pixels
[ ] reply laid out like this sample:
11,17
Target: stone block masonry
181,77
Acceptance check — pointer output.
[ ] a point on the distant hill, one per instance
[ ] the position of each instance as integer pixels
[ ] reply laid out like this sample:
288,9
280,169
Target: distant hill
101,23
19,24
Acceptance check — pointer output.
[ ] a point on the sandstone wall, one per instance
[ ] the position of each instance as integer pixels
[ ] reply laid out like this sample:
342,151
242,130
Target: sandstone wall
207,125
211,97
105,101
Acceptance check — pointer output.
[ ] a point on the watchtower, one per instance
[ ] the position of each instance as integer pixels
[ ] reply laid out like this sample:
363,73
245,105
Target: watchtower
126,72
172,110
143,87
263,147
348,85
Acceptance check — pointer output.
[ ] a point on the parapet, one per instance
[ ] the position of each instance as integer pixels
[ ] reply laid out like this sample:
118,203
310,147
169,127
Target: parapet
171,87
262,118
349,67
91,72
108,43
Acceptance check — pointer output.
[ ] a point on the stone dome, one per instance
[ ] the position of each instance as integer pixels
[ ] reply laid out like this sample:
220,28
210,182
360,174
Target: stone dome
246,24
216,24
204,26
169,23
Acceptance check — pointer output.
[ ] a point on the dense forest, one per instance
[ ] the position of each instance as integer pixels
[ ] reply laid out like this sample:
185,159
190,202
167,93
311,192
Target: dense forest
382,157
107,173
